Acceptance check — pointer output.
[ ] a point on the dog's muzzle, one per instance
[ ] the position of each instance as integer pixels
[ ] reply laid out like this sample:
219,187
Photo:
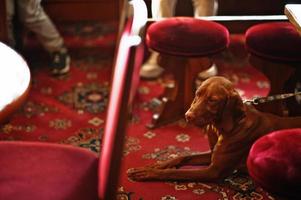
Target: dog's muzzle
200,121
189,116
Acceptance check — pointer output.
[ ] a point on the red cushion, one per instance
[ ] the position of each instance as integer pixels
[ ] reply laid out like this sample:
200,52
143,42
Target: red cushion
275,40
187,36
45,171
274,162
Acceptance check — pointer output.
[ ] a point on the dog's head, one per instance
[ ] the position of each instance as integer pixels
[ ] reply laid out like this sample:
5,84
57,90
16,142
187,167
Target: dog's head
216,102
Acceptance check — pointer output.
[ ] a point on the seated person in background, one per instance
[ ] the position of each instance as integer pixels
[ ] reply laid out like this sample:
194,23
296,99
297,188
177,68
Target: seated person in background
32,15
166,8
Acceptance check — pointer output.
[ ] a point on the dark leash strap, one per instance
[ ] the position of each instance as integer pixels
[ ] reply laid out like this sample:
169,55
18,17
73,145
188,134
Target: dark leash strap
259,100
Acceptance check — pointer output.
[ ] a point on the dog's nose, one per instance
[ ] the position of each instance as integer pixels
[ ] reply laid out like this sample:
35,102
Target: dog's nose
189,116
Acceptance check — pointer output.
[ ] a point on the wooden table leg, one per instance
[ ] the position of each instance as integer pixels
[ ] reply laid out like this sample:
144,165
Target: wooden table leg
193,68
178,93
278,74
172,100
294,85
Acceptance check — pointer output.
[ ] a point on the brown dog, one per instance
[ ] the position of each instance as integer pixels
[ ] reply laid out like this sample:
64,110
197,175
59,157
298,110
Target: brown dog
217,104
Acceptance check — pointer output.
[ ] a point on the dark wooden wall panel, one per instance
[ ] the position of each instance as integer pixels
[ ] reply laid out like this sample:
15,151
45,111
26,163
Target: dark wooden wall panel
109,10
251,7
233,7
73,10
3,27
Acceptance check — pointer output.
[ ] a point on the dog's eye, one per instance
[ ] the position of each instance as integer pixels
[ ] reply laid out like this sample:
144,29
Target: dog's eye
212,99
197,94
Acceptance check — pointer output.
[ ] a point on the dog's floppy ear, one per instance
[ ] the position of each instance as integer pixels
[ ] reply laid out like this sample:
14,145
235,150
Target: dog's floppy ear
232,112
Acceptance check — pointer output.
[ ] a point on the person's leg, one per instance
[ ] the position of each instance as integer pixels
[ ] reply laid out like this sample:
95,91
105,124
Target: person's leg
150,69
205,7
163,8
160,9
33,16
10,12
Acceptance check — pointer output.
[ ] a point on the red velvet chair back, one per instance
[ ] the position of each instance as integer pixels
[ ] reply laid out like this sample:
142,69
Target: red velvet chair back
45,171
125,81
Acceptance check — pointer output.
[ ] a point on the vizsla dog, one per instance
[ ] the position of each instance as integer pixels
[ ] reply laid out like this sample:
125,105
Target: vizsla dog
237,126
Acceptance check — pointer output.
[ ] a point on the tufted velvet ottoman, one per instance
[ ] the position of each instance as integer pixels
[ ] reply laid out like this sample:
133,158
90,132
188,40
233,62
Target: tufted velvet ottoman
185,44
274,162
275,49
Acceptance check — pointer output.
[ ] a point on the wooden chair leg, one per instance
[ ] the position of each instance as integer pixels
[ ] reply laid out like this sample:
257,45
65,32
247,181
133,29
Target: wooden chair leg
171,106
278,74
193,68
294,85
179,93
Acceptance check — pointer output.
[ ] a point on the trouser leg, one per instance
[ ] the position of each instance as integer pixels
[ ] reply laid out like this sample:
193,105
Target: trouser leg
205,7
163,8
33,16
160,9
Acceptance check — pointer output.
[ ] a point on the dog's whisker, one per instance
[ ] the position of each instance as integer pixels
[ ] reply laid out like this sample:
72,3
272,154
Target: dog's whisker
207,127
215,130
211,128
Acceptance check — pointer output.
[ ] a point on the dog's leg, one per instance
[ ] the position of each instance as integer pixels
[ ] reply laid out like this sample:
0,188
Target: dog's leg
220,167
289,122
151,174
143,173
203,158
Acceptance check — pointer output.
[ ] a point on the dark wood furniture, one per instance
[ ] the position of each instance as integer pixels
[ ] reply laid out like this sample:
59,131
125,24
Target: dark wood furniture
166,110
275,51
182,55
3,27
66,10
233,7
73,10
179,88
293,13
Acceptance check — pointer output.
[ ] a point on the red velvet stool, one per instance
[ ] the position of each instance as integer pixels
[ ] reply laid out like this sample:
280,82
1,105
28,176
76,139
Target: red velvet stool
274,162
275,50
184,44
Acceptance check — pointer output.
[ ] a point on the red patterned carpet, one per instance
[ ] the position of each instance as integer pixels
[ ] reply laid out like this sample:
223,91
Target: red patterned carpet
71,110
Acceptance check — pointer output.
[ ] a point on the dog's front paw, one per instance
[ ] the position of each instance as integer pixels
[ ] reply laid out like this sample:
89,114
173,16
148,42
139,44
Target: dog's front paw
143,174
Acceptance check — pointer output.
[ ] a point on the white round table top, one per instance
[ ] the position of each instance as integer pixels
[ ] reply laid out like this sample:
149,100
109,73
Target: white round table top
14,76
